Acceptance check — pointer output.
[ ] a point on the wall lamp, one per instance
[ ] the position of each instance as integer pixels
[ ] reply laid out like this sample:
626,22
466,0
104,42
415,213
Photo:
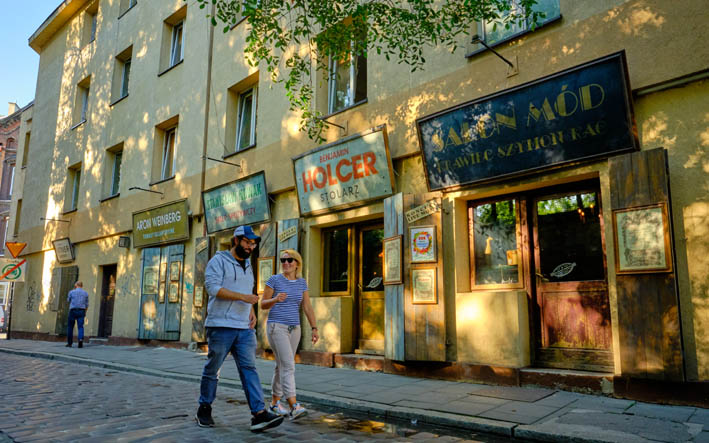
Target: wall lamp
221,161
54,220
146,190
477,39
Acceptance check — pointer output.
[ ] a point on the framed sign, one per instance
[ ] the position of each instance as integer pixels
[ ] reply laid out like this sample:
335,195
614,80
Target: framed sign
423,286
64,250
266,267
392,260
161,293
175,271
167,223
174,294
241,202
422,242
642,238
150,280
163,271
198,296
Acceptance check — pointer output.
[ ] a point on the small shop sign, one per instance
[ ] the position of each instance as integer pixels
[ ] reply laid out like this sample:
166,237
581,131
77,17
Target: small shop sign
578,114
161,224
349,172
419,212
241,202
288,233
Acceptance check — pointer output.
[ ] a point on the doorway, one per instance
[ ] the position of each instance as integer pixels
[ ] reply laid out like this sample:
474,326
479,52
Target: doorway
161,292
108,296
352,266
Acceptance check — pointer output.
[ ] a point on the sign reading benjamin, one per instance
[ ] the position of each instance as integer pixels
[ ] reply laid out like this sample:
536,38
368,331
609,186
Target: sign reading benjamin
241,202
162,224
346,173
577,114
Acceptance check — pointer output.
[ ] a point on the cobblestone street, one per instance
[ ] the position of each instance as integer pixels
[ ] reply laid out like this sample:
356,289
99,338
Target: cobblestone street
54,401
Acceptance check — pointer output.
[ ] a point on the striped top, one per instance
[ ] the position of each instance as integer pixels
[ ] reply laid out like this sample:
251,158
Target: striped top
286,312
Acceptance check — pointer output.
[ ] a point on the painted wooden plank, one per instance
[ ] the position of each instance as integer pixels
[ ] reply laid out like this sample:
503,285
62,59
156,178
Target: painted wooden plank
267,245
199,313
394,294
292,242
173,311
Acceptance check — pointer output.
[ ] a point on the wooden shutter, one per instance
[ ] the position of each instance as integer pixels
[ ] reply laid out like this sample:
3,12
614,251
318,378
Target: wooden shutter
173,311
424,324
203,248
394,294
648,311
66,277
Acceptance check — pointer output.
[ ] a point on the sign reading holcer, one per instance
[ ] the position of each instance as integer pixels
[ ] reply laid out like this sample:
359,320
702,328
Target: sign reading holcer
242,202
162,224
577,114
346,173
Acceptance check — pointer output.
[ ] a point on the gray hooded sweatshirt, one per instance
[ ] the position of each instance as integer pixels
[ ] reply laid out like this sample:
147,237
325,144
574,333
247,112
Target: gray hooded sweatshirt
223,271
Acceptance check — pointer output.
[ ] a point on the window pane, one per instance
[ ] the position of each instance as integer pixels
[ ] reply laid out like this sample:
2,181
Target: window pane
361,79
372,260
168,154
495,243
550,8
340,89
176,55
336,260
126,78
84,102
116,173
75,191
245,119
495,31
569,235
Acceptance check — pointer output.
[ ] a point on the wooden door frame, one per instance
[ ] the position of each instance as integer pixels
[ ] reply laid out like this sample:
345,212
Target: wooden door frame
105,285
359,229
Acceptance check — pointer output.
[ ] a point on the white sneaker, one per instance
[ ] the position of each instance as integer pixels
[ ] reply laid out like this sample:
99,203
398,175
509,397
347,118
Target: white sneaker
278,409
297,412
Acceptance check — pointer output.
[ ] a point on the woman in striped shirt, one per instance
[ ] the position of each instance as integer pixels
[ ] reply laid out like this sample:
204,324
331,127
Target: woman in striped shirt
283,329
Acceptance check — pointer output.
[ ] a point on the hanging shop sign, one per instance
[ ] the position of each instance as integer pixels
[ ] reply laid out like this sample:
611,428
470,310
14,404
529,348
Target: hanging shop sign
577,114
349,172
63,250
161,224
419,212
241,202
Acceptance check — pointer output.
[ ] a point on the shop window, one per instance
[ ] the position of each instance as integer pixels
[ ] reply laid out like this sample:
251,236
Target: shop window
121,74
173,40
495,244
72,188
81,103
336,260
494,32
347,82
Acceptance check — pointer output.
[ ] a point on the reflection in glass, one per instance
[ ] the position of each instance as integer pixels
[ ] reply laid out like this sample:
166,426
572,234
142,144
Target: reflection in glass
372,260
335,260
495,243
569,235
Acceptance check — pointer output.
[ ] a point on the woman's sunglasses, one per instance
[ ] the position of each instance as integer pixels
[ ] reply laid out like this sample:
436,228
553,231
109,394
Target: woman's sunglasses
287,260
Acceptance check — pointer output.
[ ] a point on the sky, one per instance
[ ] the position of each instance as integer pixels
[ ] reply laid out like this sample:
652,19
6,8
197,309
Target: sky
19,62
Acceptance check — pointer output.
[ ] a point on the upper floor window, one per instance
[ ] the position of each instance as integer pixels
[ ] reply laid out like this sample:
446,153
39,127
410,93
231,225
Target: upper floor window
173,39
496,31
12,179
112,180
121,74
81,104
176,48
168,154
18,218
73,185
26,149
246,126
347,82
90,24
125,6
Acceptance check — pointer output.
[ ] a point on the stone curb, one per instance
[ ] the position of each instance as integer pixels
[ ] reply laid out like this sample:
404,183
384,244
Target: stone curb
435,418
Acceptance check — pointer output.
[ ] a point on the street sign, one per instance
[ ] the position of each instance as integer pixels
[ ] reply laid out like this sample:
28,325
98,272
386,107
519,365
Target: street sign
12,269
15,247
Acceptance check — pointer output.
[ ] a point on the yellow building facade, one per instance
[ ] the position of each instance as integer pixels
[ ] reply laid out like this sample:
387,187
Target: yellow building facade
148,122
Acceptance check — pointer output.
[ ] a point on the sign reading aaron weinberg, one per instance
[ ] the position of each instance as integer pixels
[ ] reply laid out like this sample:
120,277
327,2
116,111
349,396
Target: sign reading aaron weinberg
346,173
577,114
162,224
242,202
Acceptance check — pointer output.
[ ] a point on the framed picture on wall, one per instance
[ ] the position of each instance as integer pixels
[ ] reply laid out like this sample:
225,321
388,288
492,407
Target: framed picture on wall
150,280
422,244
423,286
266,268
174,294
392,260
642,239
175,271
198,296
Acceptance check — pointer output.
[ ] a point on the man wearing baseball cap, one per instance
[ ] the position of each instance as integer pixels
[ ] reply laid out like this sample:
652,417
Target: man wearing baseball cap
229,281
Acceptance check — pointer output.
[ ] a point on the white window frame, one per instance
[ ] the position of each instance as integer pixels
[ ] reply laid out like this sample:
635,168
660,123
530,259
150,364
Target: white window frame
241,119
75,185
125,77
12,179
168,148
178,33
84,103
332,80
116,172
524,29
94,24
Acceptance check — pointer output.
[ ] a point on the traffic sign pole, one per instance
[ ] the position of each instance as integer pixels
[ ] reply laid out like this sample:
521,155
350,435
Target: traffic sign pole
9,315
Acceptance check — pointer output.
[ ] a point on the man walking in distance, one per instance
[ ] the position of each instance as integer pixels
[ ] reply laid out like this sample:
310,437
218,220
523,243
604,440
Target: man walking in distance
229,281
78,304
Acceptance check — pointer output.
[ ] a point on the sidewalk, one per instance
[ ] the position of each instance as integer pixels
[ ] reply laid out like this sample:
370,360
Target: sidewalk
524,413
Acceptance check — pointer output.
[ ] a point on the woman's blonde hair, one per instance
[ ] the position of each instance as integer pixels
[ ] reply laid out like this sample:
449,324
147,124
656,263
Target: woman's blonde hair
298,259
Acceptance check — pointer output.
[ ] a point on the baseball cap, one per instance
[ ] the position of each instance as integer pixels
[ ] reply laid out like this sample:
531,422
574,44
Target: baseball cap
247,232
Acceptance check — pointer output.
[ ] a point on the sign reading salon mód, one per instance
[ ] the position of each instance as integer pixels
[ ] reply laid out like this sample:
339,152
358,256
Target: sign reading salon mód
577,114
348,172
162,224
241,202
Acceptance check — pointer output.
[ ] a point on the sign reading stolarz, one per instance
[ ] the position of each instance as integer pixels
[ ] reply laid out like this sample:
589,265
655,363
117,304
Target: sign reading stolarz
162,224
241,202
349,172
578,114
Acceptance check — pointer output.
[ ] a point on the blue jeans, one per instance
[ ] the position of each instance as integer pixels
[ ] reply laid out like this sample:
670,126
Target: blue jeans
242,345
77,315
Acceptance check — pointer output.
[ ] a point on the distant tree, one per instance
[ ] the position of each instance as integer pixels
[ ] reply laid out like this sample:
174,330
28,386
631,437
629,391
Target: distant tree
292,38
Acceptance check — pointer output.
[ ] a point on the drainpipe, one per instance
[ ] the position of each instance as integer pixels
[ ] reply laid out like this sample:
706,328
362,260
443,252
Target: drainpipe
206,121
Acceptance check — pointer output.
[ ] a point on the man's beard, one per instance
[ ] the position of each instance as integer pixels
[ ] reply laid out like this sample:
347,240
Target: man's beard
241,252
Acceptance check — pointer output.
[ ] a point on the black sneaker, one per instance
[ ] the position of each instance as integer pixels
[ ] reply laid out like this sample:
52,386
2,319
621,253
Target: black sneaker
81,344
204,416
265,420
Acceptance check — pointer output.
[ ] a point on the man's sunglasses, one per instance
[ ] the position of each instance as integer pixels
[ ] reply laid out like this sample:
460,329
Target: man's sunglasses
287,260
